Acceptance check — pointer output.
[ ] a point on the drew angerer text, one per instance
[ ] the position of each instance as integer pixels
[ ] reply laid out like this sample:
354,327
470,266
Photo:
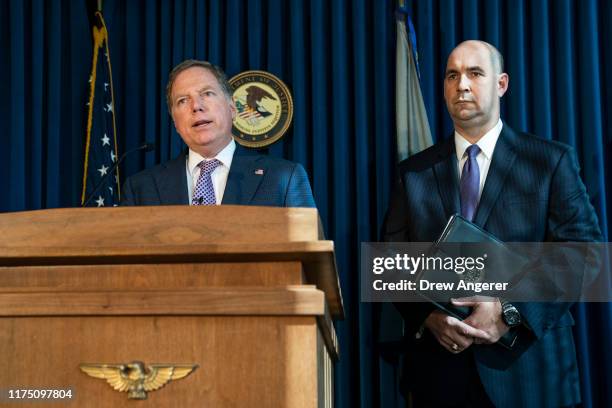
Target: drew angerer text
425,285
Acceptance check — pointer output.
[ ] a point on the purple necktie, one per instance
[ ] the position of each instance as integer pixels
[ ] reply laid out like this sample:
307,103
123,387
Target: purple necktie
204,193
470,183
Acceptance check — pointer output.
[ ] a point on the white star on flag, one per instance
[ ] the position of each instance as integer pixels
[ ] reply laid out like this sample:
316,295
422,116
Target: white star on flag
113,157
105,86
105,140
111,190
100,201
109,107
103,170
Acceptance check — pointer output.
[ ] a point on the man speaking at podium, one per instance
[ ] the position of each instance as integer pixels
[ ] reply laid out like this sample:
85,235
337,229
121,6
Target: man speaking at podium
519,188
214,170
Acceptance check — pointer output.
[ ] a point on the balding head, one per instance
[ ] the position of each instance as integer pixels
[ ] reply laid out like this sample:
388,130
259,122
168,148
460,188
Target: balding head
473,84
497,60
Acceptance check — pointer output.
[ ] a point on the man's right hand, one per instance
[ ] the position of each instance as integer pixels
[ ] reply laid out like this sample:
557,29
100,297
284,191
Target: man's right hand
452,333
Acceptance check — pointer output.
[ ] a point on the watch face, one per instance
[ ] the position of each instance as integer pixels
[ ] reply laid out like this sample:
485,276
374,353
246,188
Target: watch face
511,316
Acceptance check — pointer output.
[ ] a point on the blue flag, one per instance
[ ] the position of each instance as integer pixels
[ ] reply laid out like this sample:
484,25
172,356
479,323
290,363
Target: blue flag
101,143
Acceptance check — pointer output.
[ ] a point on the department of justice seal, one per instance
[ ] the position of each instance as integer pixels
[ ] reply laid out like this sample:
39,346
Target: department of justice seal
264,108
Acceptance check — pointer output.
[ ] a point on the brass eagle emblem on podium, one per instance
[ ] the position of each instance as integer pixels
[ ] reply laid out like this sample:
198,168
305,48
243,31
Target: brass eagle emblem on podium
137,378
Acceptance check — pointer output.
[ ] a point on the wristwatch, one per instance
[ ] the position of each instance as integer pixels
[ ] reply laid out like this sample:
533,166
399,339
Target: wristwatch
510,314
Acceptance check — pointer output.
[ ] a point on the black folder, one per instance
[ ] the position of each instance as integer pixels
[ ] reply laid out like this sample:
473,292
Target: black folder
508,264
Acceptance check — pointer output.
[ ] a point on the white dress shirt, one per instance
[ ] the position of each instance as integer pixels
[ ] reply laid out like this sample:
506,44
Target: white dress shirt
486,145
218,176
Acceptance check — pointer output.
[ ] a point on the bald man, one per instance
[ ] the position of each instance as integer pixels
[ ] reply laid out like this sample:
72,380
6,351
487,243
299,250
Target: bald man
519,188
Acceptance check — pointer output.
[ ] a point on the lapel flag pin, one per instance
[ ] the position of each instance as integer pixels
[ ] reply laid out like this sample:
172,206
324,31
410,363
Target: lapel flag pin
259,172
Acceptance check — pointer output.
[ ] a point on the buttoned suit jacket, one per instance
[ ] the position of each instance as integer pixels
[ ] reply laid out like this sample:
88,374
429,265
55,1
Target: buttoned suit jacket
532,193
252,180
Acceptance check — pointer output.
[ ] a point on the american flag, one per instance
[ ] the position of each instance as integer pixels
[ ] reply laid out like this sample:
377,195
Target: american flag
101,143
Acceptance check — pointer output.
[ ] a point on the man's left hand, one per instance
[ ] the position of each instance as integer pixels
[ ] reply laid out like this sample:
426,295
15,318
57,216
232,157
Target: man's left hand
486,316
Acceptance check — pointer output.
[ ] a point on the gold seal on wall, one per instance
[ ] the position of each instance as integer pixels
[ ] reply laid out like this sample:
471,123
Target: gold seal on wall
264,108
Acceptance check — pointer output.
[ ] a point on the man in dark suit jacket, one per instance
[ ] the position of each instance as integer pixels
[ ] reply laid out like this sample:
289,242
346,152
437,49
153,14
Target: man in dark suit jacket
527,190
214,170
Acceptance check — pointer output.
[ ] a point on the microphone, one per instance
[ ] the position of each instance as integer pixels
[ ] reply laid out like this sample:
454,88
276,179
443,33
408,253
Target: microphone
146,146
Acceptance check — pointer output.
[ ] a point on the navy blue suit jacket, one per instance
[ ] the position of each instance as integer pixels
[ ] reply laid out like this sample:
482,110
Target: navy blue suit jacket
252,180
533,193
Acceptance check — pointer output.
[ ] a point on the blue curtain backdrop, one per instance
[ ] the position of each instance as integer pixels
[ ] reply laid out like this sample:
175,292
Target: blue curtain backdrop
338,58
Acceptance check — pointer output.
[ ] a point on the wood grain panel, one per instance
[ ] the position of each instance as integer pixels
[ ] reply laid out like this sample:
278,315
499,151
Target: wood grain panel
173,225
290,300
317,258
149,276
277,370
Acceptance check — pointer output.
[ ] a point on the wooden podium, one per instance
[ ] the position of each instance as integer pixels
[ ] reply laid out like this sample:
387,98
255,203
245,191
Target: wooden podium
245,293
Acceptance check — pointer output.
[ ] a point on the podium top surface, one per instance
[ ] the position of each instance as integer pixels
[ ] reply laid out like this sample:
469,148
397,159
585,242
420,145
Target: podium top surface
159,225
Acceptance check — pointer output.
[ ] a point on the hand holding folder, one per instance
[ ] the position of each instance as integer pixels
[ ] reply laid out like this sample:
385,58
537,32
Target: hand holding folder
506,264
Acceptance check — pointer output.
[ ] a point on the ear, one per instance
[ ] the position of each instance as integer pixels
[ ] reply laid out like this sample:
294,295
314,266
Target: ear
503,81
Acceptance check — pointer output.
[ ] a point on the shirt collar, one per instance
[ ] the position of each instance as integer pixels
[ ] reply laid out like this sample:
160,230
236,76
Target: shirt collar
486,143
225,156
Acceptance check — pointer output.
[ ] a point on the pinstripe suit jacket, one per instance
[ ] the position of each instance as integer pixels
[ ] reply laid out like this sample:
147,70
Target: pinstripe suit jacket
533,193
252,180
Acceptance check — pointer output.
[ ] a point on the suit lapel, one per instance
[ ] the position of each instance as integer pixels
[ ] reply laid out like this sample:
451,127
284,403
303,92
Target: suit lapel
447,177
170,191
501,163
244,177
